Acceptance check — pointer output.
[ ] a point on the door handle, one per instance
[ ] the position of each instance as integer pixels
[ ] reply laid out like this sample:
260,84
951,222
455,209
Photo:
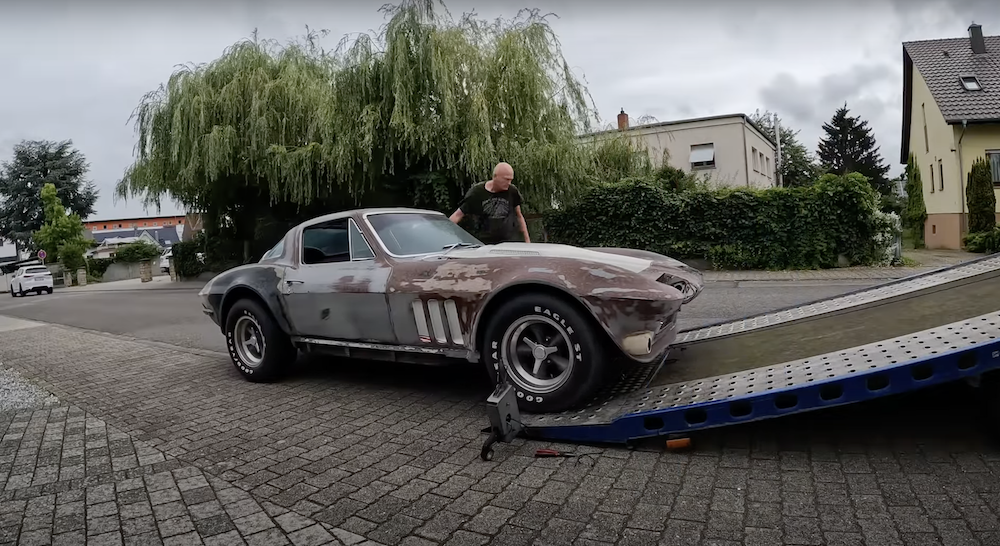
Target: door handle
293,281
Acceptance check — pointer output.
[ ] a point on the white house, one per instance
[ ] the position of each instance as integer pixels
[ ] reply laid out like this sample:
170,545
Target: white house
730,148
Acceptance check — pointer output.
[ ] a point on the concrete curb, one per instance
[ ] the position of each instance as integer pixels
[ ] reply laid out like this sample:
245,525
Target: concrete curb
860,274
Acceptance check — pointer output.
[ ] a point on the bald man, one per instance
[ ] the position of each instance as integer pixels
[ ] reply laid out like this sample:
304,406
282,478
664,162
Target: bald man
497,204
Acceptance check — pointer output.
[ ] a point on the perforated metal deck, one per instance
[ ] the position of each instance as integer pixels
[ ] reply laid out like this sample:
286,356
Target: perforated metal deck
896,365
654,400
908,285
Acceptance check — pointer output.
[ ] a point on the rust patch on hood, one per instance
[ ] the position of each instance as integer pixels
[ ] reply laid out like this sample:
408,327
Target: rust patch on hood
598,272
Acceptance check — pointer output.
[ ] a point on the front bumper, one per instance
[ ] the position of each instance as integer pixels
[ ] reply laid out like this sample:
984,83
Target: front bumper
209,309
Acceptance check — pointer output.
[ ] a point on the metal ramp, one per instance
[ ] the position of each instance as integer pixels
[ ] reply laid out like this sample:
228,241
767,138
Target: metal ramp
899,336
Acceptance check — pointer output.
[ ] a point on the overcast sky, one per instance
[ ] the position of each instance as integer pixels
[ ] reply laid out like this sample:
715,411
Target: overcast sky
78,71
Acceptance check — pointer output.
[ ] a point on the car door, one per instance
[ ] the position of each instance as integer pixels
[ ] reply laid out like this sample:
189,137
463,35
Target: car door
338,289
15,284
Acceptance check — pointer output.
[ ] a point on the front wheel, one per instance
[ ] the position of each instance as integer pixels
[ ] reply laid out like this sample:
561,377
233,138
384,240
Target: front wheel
260,351
550,352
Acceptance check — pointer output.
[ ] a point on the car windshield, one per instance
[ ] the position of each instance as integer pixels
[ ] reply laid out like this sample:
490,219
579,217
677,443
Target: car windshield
409,234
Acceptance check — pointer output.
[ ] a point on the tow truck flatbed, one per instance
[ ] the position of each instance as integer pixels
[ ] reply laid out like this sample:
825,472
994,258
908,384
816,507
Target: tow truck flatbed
899,336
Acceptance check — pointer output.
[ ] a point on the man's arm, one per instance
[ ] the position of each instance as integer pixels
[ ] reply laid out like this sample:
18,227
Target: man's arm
461,211
524,225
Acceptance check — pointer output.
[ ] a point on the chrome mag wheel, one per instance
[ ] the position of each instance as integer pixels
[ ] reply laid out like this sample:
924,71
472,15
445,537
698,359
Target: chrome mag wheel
249,341
538,354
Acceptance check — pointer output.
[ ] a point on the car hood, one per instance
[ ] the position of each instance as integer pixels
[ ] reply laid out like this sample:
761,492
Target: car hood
551,250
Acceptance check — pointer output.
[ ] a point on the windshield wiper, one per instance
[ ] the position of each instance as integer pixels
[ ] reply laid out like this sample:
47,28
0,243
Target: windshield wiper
453,246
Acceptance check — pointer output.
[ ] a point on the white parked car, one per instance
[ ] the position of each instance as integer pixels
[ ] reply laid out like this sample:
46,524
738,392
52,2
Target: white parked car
165,260
168,253
31,278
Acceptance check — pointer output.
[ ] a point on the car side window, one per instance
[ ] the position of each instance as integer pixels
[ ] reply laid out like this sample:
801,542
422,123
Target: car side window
275,251
327,242
360,249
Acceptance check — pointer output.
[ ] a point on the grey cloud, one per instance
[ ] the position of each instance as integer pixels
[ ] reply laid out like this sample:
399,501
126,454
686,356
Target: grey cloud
807,106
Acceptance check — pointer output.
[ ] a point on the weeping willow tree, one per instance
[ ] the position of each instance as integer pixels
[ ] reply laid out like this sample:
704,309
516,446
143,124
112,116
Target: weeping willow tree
268,133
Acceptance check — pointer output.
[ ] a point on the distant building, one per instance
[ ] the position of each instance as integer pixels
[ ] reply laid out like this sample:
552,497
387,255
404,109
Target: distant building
951,117
162,231
134,223
730,148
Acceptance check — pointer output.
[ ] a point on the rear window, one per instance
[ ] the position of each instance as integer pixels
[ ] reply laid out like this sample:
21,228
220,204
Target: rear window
35,270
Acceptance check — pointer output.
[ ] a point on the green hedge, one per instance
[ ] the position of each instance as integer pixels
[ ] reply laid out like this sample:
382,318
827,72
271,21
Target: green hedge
98,266
986,242
782,228
186,262
136,252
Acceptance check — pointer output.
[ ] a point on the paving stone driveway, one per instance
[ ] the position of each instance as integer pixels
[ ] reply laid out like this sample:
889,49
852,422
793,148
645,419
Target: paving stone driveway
154,444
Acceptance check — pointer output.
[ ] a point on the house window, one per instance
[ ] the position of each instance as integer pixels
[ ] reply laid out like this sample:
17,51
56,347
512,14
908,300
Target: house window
940,176
970,83
756,164
993,160
767,161
927,143
932,178
703,156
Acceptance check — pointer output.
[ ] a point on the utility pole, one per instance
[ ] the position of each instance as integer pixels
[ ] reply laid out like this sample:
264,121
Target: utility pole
777,155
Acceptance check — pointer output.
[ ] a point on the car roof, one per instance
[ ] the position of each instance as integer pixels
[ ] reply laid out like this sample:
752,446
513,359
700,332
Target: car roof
361,212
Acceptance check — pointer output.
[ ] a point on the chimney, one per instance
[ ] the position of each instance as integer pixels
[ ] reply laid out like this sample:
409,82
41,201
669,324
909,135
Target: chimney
976,38
622,120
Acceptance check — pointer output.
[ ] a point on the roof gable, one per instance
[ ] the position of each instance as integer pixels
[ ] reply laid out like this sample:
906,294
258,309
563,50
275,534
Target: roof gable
943,62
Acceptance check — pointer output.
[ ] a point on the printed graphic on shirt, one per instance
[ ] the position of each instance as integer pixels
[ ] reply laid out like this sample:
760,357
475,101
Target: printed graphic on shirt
496,207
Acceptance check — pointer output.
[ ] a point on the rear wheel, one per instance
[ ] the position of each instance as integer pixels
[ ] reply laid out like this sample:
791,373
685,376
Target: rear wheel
549,351
260,351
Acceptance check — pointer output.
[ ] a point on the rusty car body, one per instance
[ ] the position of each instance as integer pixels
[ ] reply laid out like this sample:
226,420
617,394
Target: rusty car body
410,285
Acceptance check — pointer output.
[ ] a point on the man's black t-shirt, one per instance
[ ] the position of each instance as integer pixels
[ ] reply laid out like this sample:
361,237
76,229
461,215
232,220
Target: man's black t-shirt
497,221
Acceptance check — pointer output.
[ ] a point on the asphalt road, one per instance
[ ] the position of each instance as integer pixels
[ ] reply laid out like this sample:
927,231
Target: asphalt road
173,316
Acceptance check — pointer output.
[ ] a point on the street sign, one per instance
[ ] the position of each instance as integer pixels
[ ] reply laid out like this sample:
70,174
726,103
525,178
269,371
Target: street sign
41,255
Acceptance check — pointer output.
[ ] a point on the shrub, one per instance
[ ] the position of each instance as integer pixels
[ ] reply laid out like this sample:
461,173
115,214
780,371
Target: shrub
98,266
983,242
915,213
981,199
800,228
136,252
186,262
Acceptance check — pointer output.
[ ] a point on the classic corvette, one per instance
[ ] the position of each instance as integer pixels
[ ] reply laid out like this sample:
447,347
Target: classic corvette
409,285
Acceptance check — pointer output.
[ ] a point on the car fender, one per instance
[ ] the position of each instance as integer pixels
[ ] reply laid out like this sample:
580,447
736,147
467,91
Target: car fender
263,281
619,311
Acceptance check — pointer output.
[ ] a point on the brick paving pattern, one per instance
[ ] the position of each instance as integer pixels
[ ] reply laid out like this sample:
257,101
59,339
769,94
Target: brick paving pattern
158,444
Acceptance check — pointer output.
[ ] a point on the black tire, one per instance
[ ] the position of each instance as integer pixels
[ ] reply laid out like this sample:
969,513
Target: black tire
276,352
48,290
589,366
